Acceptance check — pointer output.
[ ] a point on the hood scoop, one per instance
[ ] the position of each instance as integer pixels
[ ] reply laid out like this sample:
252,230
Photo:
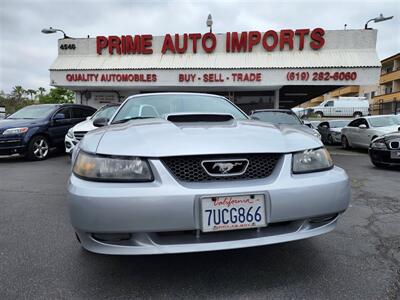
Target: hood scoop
198,117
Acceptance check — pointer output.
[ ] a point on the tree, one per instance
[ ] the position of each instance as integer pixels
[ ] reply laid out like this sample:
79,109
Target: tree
41,91
31,93
18,92
57,95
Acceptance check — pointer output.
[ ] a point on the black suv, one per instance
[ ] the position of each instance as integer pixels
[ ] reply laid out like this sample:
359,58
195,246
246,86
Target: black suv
34,129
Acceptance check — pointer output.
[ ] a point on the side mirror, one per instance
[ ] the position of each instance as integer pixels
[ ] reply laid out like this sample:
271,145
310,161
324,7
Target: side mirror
59,116
254,118
100,122
362,126
88,118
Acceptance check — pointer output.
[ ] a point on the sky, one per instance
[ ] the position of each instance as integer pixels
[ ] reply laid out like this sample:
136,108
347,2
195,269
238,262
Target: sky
26,53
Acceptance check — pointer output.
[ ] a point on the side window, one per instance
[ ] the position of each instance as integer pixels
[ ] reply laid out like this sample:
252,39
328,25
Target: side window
329,104
80,113
355,123
363,121
65,111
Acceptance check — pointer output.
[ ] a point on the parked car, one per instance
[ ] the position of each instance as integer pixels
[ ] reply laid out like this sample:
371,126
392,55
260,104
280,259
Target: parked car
312,124
343,107
331,131
76,133
283,117
194,173
34,129
302,112
360,132
385,150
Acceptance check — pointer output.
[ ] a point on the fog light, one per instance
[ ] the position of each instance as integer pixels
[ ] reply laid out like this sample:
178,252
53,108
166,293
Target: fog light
112,237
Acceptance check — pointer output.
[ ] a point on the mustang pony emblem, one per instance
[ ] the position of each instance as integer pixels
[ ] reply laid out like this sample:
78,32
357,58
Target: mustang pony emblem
226,167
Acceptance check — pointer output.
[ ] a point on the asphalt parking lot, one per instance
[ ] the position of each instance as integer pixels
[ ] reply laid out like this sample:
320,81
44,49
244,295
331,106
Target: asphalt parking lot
41,259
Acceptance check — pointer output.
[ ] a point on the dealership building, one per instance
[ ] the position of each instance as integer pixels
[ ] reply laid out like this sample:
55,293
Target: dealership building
254,69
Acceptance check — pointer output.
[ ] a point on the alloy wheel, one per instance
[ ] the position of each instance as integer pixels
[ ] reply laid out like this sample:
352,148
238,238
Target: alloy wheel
40,148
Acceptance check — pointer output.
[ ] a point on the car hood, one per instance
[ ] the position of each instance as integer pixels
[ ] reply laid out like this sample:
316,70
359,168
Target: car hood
392,135
304,128
86,125
12,123
159,137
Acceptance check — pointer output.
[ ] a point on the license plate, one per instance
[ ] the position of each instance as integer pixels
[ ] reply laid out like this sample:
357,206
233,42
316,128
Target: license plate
232,212
395,154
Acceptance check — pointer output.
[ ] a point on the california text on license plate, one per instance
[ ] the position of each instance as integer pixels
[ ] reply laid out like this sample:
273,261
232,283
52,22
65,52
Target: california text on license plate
395,154
232,212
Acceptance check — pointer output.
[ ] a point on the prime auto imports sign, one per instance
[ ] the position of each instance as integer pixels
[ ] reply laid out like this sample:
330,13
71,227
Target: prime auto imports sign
245,41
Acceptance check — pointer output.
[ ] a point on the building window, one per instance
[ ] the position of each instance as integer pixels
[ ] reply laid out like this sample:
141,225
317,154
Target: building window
373,94
388,90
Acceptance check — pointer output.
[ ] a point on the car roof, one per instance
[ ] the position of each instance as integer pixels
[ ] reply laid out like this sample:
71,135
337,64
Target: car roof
175,93
111,104
76,105
273,110
378,116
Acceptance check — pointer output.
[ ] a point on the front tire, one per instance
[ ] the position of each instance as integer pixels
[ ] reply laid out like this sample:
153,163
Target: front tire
345,143
330,140
378,165
38,148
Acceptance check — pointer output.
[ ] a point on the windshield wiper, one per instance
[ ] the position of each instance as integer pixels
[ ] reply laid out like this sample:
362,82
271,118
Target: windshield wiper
129,119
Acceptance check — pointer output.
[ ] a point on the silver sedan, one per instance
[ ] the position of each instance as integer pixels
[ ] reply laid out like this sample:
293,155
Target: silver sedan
182,172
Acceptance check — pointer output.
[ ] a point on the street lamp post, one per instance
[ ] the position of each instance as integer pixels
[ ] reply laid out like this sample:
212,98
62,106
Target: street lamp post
378,19
209,22
54,30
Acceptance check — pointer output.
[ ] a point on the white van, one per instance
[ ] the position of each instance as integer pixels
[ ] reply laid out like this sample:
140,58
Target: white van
343,107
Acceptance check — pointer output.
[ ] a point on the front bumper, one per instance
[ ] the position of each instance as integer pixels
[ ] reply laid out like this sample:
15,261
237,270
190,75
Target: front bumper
13,145
70,144
337,138
164,216
382,156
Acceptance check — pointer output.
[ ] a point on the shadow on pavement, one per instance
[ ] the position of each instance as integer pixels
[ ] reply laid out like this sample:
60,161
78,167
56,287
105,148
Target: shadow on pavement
219,273
21,159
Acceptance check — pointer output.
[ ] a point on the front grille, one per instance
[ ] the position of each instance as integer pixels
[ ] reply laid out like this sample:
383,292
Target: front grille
394,145
189,168
9,143
79,134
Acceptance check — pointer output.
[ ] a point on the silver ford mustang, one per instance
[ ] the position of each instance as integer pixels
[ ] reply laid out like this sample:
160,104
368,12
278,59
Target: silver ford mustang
185,172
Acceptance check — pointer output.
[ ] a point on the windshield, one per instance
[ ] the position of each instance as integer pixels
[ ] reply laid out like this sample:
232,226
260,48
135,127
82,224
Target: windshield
105,112
338,124
384,121
278,117
33,112
156,106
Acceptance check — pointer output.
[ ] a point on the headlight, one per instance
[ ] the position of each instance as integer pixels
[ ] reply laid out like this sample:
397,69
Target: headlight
70,133
112,168
378,144
316,134
311,161
15,131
